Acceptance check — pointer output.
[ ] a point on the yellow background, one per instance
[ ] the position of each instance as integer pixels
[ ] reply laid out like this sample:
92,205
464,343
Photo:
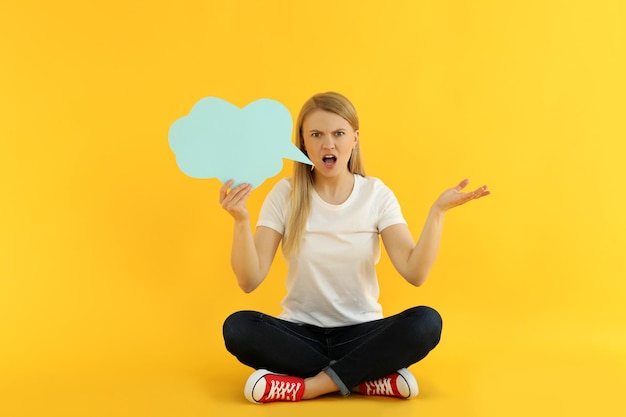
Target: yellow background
114,269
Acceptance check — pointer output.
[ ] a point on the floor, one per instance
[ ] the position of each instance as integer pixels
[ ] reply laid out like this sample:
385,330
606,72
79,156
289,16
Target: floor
506,379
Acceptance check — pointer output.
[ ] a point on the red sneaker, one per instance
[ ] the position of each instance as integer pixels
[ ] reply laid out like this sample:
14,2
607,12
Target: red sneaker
265,387
401,384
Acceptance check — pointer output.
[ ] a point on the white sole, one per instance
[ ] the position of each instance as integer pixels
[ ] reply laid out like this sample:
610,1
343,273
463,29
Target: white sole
411,382
251,383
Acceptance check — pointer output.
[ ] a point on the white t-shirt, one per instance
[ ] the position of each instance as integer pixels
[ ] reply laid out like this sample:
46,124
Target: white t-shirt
332,281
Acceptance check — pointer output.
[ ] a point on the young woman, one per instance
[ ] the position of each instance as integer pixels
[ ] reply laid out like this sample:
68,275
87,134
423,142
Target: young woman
331,335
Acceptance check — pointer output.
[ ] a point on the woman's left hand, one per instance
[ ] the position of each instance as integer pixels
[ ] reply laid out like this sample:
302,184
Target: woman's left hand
455,197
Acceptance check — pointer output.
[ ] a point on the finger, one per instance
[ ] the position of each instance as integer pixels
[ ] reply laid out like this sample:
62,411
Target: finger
477,192
241,192
462,185
472,195
241,188
481,192
484,194
224,189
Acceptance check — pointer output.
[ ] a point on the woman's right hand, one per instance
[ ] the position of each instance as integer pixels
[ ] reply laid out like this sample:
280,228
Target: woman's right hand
234,200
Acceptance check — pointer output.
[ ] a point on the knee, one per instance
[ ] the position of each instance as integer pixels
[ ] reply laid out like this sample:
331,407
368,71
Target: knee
432,324
428,324
234,329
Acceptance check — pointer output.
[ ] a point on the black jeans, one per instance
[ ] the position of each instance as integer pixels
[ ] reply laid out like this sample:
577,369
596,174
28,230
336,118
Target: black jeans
350,355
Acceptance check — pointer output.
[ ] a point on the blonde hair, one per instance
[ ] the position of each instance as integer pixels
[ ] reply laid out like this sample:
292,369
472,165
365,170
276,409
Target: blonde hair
302,178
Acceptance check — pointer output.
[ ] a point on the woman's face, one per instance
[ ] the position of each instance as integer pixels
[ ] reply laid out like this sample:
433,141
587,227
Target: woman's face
328,140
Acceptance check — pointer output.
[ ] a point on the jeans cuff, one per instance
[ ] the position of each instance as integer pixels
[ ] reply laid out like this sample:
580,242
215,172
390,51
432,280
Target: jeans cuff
345,391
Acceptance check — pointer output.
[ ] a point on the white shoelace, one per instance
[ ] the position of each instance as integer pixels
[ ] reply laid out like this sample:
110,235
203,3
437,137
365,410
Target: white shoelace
279,390
380,386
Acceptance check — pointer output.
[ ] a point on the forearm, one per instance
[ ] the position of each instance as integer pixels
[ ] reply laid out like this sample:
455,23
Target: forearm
424,254
414,261
244,258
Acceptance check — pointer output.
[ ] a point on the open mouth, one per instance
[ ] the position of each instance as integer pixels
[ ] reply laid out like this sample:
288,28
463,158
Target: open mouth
329,160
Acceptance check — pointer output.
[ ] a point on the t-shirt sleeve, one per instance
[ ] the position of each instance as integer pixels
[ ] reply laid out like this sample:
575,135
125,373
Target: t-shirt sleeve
389,211
273,212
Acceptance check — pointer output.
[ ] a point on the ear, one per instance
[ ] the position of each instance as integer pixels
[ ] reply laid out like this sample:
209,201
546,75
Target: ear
356,138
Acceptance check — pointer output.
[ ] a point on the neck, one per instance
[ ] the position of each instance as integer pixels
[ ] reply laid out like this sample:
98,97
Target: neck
334,190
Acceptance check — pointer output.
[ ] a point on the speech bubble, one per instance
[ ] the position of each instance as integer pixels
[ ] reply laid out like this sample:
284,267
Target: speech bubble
220,140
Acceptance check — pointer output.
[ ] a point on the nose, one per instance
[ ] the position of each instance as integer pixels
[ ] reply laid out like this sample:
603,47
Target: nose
328,142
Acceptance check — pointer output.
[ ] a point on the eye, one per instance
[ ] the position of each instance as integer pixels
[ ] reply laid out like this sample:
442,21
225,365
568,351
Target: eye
316,134
340,133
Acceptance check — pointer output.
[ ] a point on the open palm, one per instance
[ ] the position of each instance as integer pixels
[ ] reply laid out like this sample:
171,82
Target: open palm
454,197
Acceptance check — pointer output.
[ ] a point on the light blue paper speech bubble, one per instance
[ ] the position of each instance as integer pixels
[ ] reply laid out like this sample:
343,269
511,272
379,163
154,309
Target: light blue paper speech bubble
219,140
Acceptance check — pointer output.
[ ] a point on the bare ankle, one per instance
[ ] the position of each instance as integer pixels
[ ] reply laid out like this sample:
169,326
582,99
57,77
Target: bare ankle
318,385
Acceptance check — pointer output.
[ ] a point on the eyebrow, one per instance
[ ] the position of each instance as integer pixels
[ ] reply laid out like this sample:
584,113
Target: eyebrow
336,130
